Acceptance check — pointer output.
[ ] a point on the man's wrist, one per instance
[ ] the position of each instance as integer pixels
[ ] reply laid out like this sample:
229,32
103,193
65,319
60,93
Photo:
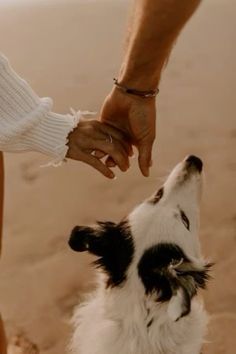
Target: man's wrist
134,91
137,79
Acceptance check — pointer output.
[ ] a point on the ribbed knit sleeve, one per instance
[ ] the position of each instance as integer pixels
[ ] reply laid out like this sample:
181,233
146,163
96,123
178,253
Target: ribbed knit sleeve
26,121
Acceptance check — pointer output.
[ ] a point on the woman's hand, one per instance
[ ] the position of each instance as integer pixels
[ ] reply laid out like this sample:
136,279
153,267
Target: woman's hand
92,140
136,118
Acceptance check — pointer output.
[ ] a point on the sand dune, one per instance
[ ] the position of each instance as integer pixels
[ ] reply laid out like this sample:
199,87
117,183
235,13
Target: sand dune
70,50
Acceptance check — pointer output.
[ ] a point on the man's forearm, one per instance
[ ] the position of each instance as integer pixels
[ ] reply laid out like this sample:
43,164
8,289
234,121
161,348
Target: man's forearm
155,28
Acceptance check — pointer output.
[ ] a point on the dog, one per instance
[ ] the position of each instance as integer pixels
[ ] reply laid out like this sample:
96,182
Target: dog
151,269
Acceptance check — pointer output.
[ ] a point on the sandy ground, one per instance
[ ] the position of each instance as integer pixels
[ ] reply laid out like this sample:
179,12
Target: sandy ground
70,51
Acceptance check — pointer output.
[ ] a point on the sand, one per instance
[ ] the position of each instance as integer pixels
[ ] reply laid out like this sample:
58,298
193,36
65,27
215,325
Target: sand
71,51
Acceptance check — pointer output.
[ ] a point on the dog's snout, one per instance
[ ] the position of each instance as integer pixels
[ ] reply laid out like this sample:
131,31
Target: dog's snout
194,162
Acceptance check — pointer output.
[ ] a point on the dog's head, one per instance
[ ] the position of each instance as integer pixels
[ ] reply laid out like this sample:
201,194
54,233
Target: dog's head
157,244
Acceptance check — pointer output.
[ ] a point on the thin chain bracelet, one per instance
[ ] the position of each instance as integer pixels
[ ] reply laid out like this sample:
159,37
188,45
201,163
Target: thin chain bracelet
132,91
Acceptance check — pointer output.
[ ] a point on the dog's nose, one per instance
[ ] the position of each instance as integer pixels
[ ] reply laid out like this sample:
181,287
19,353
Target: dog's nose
194,161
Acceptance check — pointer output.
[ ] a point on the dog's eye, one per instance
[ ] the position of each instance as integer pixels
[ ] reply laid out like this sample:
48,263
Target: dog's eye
158,196
185,220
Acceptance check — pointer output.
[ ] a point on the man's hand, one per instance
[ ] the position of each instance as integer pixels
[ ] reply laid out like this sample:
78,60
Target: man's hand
135,117
92,140
153,31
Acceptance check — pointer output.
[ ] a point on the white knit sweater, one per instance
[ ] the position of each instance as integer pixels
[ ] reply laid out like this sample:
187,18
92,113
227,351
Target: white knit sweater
26,121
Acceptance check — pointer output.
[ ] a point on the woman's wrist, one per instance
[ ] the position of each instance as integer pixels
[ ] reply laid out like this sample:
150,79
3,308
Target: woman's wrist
50,136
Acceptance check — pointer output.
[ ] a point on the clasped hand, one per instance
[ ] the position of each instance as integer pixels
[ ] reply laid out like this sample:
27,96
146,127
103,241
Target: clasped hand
125,121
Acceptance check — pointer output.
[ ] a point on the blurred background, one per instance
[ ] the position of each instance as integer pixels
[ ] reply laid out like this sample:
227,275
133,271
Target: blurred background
70,51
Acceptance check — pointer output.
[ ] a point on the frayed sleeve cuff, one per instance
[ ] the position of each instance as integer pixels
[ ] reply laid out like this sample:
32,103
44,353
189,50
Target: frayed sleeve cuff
49,136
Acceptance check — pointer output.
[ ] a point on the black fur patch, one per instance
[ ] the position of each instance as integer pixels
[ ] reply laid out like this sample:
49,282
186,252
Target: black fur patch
80,238
153,265
119,252
111,242
154,271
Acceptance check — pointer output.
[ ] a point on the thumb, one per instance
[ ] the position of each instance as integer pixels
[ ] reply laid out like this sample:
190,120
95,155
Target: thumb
145,158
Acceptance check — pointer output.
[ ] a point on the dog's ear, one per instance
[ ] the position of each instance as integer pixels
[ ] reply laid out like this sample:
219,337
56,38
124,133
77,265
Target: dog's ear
169,274
111,242
92,239
80,238
185,279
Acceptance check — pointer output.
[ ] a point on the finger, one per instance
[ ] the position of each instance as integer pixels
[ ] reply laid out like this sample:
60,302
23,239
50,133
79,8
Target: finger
119,136
110,162
115,133
116,152
96,163
145,158
99,154
131,150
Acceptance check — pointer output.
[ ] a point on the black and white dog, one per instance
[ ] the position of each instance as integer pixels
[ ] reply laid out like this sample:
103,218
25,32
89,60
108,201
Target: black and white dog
152,269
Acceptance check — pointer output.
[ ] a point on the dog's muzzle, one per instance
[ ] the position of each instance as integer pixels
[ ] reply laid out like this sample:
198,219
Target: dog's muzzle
193,163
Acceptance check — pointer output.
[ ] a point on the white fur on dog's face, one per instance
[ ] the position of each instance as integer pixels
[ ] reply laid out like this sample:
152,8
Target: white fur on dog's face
164,220
169,222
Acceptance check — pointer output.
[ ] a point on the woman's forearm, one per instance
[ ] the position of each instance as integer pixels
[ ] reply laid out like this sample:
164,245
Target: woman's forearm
155,27
26,120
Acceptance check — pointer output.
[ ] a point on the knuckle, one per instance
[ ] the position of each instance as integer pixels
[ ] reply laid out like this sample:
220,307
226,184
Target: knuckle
111,148
89,130
96,124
